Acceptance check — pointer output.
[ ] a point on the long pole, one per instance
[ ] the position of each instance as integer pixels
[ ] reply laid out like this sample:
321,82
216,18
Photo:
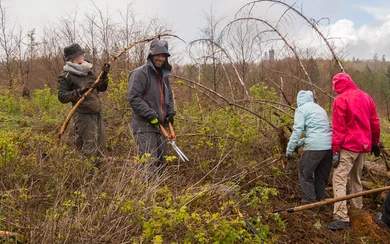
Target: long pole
333,200
72,111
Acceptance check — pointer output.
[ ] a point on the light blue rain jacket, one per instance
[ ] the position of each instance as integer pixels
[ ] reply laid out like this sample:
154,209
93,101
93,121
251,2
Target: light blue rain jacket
311,119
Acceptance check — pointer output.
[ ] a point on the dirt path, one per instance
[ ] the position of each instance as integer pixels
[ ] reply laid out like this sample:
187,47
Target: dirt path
308,226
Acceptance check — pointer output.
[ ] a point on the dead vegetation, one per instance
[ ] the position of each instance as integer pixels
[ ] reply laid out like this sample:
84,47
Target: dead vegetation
234,113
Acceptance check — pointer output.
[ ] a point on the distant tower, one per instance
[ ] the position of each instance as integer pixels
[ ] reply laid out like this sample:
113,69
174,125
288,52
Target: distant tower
271,54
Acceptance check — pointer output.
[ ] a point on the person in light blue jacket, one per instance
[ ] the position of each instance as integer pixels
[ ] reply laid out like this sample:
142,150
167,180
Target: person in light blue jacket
316,162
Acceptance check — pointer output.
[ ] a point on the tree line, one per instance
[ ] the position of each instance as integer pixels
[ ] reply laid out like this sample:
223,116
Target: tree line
227,59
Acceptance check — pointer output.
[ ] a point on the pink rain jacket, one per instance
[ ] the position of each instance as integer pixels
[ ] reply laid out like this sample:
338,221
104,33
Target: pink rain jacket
355,123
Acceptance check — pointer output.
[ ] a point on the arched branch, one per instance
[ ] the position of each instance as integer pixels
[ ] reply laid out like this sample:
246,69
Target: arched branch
226,100
302,80
282,37
230,60
73,110
311,23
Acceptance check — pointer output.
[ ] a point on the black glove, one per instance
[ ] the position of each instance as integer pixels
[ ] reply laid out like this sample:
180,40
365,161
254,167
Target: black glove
82,90
106,69
169,118
296,149
290,157
156,123
375,149
336,159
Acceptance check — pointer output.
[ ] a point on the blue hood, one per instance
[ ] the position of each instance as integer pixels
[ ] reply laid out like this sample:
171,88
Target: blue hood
304,97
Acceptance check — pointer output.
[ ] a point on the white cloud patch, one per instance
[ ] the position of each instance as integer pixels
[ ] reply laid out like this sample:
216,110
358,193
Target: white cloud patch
367,40
377,12
363,42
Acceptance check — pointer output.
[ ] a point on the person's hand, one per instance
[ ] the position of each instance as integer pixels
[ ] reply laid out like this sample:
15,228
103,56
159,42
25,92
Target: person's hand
289,157
82,90
169,118
336,159
296,149
106,69
375,149
156,123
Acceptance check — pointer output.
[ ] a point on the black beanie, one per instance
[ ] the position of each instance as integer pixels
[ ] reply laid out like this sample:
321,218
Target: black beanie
72,51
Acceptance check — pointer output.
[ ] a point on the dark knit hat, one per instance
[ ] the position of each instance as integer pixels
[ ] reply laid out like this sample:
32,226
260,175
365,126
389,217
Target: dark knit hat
73,51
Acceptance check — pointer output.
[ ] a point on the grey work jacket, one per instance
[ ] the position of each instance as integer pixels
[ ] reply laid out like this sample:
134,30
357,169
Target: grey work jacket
150,97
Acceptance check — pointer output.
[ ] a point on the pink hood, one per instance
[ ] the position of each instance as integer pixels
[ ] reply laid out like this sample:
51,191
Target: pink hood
343,82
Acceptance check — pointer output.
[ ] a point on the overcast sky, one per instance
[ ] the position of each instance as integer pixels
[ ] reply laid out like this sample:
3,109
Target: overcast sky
361,27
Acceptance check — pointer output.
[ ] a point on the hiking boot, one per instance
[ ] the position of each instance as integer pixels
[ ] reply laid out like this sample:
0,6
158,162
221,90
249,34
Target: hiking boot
338,225
379,221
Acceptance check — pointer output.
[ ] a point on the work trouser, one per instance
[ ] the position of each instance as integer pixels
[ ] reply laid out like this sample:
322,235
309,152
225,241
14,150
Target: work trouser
155,145
351,164
89,134
386,210
314,173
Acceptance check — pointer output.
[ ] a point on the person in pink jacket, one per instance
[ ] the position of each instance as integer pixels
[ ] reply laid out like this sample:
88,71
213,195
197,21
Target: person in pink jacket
356,131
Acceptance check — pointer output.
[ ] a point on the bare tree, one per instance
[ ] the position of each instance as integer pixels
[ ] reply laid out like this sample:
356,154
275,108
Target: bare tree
105,29
89,38
50,49
211,52
26,56
127,32
8,45
68,27
243,43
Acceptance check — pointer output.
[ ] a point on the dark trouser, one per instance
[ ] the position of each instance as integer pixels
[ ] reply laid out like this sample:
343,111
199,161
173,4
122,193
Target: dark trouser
89,134
155,145
314,173
386,210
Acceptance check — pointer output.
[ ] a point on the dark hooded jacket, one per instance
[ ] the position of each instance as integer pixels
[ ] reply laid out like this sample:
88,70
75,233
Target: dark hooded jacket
149,94
355,123
68,84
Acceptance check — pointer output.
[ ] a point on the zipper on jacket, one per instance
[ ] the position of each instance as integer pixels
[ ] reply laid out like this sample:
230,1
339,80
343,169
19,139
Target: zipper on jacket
161,83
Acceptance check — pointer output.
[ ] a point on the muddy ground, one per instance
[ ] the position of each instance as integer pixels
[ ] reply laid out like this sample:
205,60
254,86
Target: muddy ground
308,226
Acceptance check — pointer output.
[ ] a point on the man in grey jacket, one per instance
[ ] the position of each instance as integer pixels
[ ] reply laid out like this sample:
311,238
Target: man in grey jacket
150,97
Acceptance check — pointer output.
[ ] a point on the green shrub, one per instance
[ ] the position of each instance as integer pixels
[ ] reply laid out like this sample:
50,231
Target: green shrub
8,148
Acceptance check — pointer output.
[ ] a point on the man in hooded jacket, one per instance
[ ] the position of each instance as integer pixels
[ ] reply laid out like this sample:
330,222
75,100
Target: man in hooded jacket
316,161
150,97
356,131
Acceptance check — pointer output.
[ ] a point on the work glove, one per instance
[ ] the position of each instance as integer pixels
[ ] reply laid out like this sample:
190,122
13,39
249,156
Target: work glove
106,69
82,90
375,149
156,123
290,157
169,118
336,159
